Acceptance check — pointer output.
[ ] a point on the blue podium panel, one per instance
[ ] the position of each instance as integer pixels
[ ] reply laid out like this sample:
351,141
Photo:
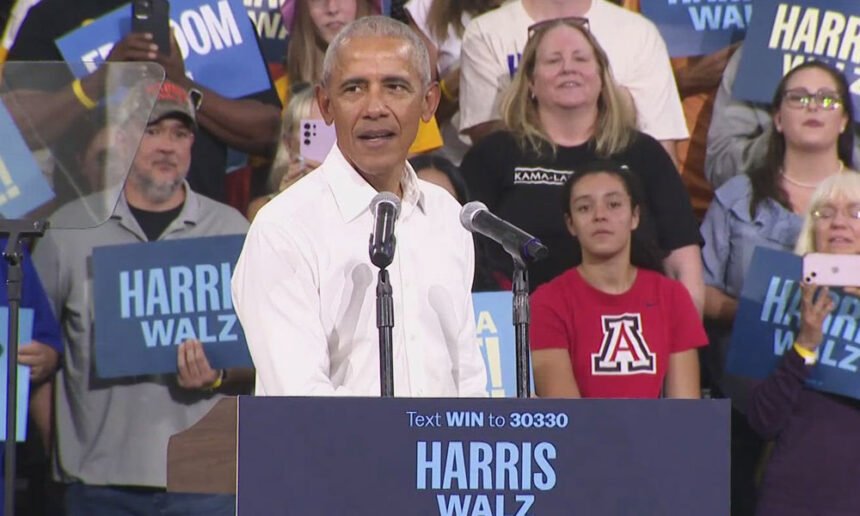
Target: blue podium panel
468,457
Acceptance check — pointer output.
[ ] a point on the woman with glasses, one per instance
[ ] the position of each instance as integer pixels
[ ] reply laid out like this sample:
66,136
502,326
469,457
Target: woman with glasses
612,326
814,463
809,143
563,110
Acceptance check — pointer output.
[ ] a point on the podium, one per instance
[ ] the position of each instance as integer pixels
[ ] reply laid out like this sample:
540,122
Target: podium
469,457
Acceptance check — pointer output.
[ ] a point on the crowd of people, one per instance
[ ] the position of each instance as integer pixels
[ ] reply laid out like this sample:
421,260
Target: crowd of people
651,185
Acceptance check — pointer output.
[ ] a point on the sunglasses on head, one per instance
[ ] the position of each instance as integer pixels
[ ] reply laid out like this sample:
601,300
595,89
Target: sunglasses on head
553,22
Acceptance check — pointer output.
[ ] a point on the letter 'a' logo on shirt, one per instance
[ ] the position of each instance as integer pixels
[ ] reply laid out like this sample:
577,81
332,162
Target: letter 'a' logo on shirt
623,350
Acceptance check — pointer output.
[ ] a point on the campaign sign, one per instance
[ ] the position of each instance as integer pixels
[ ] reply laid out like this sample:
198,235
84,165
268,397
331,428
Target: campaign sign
494,321
25,335
490,457
768,318
267,17
23,187
150,297
784,34
698,27
216,39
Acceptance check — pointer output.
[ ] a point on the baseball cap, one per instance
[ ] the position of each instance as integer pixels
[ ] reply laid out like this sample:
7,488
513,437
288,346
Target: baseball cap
172,101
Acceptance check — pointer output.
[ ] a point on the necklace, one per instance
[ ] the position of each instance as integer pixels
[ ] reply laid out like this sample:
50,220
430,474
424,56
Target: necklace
810,186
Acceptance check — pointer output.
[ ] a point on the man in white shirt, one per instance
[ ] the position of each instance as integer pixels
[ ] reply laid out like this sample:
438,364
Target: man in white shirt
494,41
304,287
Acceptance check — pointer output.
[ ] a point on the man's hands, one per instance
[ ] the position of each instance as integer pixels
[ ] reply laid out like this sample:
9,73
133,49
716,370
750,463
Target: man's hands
194,371
815,306
139,46
41,358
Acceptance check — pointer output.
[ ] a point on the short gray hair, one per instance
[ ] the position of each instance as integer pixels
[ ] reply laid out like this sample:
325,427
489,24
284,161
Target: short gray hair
845,184
379,26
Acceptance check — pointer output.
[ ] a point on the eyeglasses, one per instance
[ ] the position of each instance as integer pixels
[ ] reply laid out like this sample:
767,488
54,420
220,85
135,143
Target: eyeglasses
825,99
541,26
829,212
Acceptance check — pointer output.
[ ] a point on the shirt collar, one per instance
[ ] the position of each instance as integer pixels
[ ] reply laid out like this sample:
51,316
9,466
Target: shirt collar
190,213
353,194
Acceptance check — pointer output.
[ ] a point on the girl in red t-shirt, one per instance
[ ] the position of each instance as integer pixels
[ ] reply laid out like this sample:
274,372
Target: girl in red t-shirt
613,327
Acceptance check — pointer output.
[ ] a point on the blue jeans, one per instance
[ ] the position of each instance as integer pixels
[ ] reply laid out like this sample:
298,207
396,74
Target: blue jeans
84,500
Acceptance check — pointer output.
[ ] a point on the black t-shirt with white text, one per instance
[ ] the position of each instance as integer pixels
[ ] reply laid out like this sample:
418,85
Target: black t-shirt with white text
525,189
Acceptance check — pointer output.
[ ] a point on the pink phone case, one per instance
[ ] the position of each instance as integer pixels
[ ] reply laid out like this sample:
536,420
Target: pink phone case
832,270
315,139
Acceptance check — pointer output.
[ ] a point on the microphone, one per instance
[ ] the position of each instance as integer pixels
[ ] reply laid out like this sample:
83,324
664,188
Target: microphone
520,245
385,207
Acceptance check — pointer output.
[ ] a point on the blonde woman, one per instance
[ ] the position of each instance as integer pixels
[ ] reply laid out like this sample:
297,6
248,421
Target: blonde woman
812,469
289,166
563,110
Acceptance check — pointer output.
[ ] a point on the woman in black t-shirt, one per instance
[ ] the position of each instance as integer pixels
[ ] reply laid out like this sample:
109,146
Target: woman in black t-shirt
564,109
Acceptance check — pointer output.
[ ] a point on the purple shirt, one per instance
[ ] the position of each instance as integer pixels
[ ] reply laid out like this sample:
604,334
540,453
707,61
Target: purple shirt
815,464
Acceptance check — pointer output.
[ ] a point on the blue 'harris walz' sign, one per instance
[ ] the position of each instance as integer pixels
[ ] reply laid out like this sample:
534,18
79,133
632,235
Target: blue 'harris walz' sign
216,39
698,27
267,18
149,298
768,318
784,34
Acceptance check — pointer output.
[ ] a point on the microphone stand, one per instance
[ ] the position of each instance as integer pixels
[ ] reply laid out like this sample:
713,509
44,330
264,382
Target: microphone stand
522,316
14,256
385,324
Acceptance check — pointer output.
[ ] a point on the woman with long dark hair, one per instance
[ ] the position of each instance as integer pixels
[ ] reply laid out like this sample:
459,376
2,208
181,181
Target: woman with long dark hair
613,326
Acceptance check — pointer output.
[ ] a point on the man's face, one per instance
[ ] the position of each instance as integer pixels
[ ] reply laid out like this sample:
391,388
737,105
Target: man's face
375,99
162,160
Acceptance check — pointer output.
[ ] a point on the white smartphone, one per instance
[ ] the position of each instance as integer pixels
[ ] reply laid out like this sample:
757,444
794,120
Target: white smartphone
832,270
315,139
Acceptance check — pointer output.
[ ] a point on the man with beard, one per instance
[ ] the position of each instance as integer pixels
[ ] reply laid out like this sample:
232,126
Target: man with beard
112,434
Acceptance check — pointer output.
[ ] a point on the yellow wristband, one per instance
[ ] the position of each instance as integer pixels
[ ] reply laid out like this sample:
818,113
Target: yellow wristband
82,96
809,357
446,92
218,381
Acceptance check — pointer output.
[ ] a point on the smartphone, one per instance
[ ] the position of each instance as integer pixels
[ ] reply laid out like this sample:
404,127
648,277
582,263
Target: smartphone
152,16
316,139
832,270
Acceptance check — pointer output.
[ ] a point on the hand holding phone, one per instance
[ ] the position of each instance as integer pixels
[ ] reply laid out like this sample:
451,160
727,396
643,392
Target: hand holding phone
152,16
315,139
832,270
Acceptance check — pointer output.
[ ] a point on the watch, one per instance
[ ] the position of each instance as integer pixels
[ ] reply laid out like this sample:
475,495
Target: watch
196,97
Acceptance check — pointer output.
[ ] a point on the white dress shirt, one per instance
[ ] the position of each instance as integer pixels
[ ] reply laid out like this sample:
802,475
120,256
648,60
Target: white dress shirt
305,291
